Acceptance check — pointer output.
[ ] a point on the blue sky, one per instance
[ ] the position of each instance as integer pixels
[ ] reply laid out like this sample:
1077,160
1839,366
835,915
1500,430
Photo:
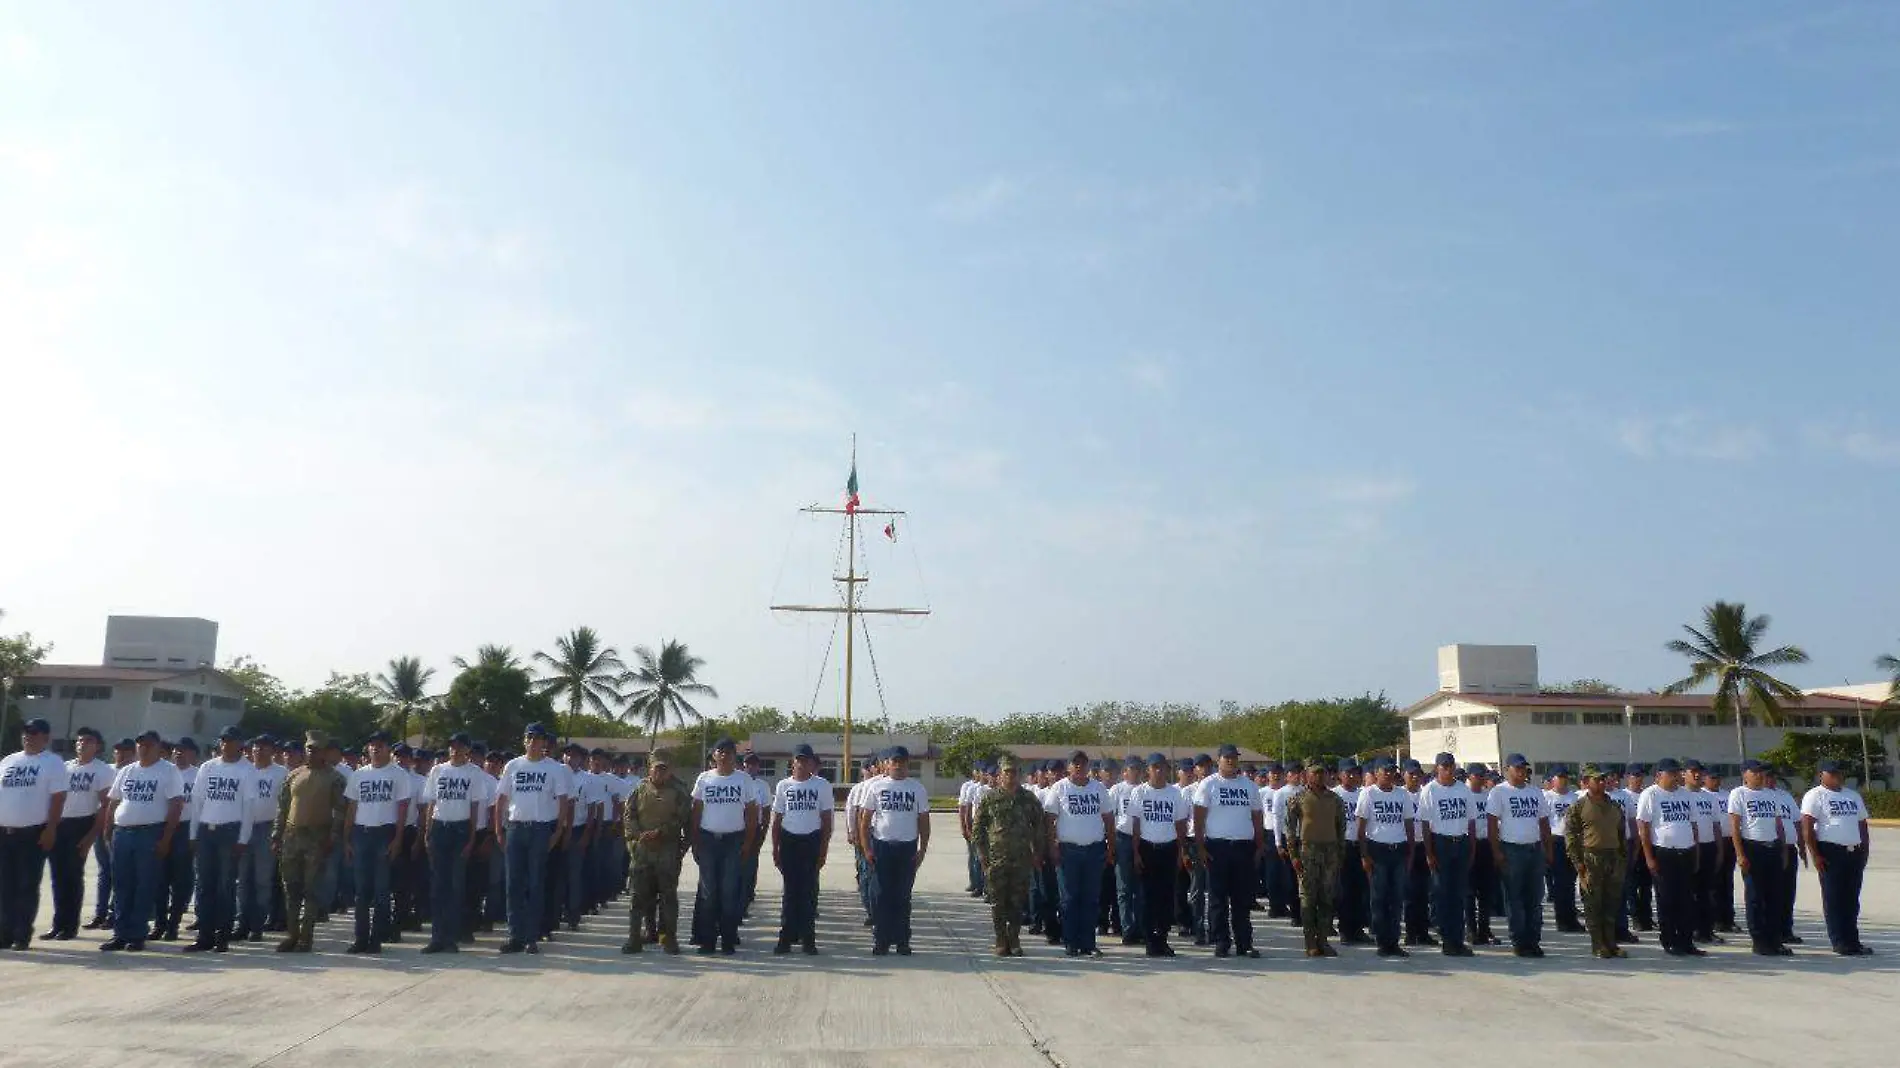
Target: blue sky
1220,351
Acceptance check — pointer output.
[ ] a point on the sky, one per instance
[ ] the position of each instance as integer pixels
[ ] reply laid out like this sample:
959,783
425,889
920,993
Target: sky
1216,351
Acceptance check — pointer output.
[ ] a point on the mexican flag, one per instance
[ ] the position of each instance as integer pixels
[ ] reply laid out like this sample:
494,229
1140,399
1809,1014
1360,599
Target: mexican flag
851,491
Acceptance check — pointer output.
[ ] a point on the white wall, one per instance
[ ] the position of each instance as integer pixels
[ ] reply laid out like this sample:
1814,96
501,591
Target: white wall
161,643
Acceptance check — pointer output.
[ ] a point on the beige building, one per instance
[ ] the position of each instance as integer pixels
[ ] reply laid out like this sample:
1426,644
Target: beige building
1489,705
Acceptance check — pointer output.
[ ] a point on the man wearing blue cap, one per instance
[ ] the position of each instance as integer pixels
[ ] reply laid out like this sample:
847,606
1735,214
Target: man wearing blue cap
1834,823
1666,827
226,791
379,794
1561,878
801,836
453,795
143,807
178,867
1518,823
1352,897
87,779
1756,835
1638,887
896,823
1797,857
1418,873
1228,820
1447,811
1383,817
1486,891
1708,821
257,868
33,786
1190,896
966,814
725,822
534,804
1128,888
1081,827
1161,819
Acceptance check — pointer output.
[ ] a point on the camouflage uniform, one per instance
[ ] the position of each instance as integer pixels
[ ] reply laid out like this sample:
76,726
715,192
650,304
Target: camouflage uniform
1598,845
310,809
1008,831
656,865
1316,824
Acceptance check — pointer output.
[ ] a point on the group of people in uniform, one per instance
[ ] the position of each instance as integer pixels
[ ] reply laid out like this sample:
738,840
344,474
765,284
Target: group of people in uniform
270,835
1395,856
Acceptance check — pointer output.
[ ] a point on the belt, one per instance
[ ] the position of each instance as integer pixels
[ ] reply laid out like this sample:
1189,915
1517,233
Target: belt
1841,845
1672,849
34,827
1441,834
216,826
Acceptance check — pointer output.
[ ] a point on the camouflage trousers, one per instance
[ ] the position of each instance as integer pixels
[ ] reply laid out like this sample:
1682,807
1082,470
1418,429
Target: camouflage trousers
300,864
656,882
1007,886
1319,875
1601,874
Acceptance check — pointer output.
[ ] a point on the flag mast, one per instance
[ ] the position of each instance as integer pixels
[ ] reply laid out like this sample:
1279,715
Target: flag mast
850,609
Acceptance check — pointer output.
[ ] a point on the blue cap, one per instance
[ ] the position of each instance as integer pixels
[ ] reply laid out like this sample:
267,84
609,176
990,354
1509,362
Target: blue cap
1095,765
461,738
1476,768
898,752
263,739
231,734
88,732
536,730
295,745
36,726
1516,760
476,748
1692,764
1348,764
1832,767
803,750
383,737
1275,768
1445,760
1153,758
185,743
400,749
1559,769
726,744
1133,758
1668,764
1634,769
1751,764
1461,774
1203,758
151,736
1412,764
1228,749
1185,764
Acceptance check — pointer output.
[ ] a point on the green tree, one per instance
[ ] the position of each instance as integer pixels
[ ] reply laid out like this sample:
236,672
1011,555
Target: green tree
662,685
1724,651
1891,664
402,689
1802,751
1587,686
967,750
757,719
19,655
267,701
492,703
340,709
501,656
583,671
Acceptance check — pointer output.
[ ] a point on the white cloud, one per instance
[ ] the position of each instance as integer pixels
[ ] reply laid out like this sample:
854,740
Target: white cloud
1150,373
748,400
980,201
1370,490
1689,435
1864,445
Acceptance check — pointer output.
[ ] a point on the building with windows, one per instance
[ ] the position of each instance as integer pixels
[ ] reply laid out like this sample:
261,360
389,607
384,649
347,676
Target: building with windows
1489,705
157,674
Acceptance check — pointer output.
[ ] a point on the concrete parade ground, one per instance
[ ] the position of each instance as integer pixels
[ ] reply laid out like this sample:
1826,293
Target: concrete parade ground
952,1004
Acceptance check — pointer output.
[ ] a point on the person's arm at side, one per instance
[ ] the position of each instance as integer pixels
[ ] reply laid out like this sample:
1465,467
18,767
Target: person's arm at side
692,829
54,808
172,812
751,828
349,828
864,836
498,820
402,820
1814,848
824,836
923,832
1108,834
1495,835
1649,846
561,822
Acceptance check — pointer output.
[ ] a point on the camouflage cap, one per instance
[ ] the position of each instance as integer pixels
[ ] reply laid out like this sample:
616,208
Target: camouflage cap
315,739
1007,763
1591,771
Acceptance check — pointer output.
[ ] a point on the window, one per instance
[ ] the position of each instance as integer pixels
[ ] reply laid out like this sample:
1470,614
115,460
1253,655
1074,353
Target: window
162,696
36,689
1602,719
226,704
1704,719
1428,724
1554,719
86,693
1645,719
197,700
1483,719
1675,719
768,768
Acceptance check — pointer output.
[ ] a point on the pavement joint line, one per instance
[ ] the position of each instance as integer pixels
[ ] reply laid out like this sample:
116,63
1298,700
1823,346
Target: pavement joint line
307,1039
1036,1041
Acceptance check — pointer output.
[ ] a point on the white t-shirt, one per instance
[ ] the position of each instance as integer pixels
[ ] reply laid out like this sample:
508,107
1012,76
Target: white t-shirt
1522,813
225,792
1625,799
418,786
895,805
1481,807
265,782
378,792
723,800
1160,809
1419,829
485,814
1278,810
1230,805
189,777
1121,801
1790,815
1670,815
1447,810
27,786
1837,814
145,794
1757,811
761,795
84,784
534,789
456,795
1708,815
801,806
854,800
964,792
1560,806
1386,813
1078,811
588,792
1350,798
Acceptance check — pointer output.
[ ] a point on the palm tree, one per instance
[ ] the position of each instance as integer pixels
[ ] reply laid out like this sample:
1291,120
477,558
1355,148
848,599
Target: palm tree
664,683
501,657
1890,663
403,687
1723,651
584,670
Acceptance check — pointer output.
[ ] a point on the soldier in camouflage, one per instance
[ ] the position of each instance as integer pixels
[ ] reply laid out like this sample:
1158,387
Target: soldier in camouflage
310,808
1597,841
1316,827
655,825
1008,830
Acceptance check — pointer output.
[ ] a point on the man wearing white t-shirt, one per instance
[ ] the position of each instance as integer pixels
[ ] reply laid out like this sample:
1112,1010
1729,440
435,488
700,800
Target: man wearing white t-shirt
1666,826
1127,879
749,864
1081,827
725,822
860,851
567,866
87,780
1756,839
801,838
1228,820
534,802
1518,821
453,797
896,823
1834,823
1708,819
1161,819
379,794
1447,814
143,809
257,868
1352,897
966,815
1797,856
226,792
33,785
1561,879
1383,816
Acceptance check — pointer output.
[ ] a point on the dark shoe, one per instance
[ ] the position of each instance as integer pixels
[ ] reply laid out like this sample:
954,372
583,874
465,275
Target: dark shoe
1131,940
1457,951
54,935
880,951
1220,951
511,946
705,949
630,946
432,948
114,945
254,936
198,947
1792,940
903,949
1783,951
1863,951
533,949
868,922
572,926
220,944
1392,951
1250,953
1326,950
289,945
728,949
395,938
358,947
1627,938
671,946
1071,952
98,923
783,947
811,948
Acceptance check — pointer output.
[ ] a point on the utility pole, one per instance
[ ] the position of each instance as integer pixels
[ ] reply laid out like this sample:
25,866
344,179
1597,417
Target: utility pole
850,609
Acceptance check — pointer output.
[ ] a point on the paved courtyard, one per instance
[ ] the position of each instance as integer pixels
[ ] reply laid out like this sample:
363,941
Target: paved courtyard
952,1003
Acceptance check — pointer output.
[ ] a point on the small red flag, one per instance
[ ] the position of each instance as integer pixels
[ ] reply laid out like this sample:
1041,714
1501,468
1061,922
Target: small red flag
890,530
